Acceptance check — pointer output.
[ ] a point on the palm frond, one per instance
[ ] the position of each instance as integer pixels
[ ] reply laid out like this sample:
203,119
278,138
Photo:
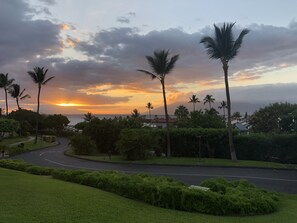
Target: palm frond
153,76
32,74
171,63
44,83
238,42
211,46
25,96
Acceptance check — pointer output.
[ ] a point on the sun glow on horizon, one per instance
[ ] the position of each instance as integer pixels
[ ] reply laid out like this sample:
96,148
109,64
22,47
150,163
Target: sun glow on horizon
69,105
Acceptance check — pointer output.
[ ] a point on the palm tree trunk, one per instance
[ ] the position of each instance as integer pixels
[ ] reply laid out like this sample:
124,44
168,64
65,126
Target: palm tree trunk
167,119
209,105
150,115
230,133
6,102
194,106
37,114
17,102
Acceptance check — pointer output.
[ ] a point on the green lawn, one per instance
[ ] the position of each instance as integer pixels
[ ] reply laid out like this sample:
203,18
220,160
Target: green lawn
188,161
12,145
14,140
39,199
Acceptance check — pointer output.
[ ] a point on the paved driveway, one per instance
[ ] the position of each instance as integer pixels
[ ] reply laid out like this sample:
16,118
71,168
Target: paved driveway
279,180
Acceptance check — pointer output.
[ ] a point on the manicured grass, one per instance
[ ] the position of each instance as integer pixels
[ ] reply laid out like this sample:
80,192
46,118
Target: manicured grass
30,198
13,148
188,161
9,141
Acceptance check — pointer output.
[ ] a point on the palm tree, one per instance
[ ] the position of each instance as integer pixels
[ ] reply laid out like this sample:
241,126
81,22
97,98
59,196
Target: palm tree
88,117
223,106
181,112
149,106
15,92
162,65
194,100
38,76
135,113
208,99
223,47
5,84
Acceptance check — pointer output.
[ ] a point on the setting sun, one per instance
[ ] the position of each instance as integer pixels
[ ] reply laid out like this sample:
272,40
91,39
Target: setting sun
68,105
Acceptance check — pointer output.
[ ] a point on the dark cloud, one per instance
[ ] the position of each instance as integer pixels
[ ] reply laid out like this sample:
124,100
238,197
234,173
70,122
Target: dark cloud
123,19
48,2
23,38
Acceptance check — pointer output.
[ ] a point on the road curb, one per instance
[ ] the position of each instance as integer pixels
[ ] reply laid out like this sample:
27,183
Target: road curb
175,165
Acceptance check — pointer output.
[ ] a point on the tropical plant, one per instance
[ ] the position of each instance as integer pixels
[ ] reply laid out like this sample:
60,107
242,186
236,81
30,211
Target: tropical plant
209,99
88,117
181,112
38,76
149,106
16,92
236,116
135,113
5,83
162,65
223,47
194,100
223,106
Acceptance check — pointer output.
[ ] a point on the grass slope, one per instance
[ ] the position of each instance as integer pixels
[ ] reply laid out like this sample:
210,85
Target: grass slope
187,161
29,198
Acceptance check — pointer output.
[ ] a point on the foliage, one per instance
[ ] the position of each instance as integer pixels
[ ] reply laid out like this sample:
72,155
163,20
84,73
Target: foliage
56,122
5,83
9,125
199,119
82,144
135,113
277,117
106,132
267,147
208,99
38,76
161,66
186,141
135,145
25,167
241,198
224,47
81,125
16,92
27,119
181,112
88,117
194,100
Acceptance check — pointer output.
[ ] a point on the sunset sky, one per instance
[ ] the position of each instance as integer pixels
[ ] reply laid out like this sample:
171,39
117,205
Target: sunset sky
94,47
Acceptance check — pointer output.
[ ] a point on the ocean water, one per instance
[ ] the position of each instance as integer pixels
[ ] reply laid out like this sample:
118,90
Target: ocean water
74,119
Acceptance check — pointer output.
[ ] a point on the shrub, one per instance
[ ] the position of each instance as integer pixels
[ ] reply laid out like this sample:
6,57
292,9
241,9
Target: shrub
135,145
239,197
82,144
267,147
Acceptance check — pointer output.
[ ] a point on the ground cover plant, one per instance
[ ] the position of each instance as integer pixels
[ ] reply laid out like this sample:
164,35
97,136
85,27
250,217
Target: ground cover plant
35,199
223,198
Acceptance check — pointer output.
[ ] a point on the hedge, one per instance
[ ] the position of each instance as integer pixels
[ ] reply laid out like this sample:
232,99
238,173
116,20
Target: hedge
223,198
185,141
267,147
214,144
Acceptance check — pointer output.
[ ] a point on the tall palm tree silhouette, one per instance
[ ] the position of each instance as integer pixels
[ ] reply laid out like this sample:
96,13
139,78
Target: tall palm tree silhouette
5,83
150,106
16,92
224,48
194,100
38,76
223,106
162,65
209,99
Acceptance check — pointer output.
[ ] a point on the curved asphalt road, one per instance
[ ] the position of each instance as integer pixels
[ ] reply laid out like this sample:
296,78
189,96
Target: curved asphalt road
279,180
